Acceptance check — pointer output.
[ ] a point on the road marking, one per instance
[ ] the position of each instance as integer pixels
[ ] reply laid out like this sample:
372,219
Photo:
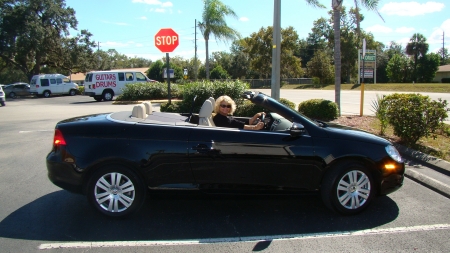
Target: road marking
32,131
115,244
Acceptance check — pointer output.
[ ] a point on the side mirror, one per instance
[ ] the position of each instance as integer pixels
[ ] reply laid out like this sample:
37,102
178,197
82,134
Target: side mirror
297,129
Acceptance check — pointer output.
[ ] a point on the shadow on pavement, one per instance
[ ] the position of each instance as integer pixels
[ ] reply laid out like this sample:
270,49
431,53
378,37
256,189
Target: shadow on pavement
66,217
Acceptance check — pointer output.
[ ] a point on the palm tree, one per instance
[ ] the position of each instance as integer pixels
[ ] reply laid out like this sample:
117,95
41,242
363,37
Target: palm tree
213,23
417,47
337,5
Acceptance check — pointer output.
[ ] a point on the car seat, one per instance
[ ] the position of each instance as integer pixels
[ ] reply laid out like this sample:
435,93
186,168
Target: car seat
205,114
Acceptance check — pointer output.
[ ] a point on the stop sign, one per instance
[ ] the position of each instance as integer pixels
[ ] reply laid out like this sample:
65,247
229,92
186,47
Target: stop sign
166,40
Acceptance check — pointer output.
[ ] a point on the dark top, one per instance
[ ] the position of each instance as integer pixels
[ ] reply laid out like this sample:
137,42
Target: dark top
227,121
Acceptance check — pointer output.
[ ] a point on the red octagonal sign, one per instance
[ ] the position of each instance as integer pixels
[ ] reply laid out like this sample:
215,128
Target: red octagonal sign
166,40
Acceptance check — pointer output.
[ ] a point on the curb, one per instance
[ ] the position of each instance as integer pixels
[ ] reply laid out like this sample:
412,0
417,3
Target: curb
431,162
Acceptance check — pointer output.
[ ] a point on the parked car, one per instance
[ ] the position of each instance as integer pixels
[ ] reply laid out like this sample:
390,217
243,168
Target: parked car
114,158
2,96
17,89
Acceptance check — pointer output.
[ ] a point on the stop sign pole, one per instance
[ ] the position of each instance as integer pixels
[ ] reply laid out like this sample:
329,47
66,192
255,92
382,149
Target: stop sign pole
166,40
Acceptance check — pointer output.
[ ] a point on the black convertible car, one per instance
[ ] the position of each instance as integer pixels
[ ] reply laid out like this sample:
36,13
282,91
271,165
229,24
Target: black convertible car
116,158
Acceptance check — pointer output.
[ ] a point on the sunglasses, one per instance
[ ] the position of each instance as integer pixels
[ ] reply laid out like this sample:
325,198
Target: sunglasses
225,106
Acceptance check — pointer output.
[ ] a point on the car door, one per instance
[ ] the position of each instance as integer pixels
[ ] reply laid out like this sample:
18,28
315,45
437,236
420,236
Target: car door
260,158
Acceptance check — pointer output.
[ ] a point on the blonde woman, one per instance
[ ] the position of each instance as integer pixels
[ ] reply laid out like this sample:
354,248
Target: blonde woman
225,107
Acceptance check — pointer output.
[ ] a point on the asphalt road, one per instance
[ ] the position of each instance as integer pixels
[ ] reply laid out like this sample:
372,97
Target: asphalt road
36,216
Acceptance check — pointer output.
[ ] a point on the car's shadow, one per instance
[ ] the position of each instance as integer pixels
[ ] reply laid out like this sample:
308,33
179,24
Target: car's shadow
65,217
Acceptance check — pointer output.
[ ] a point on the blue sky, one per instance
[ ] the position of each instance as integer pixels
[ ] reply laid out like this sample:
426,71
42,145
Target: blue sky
129,26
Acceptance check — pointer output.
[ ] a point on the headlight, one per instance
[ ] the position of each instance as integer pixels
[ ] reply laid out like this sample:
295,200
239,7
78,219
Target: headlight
393,153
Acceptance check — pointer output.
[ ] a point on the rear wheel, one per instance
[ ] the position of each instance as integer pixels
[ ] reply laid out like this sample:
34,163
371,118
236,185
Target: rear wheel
12,95
47,94
108,95
348,188
116,191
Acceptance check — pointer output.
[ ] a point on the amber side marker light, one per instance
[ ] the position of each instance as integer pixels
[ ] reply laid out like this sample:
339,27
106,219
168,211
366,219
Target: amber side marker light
58,139
389,166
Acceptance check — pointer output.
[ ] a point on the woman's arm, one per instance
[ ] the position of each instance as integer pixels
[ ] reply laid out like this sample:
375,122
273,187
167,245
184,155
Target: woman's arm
255,117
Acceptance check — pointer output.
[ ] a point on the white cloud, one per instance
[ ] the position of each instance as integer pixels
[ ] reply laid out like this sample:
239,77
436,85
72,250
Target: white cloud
244,19
404,30
162,5
438,32
411,8
379,28
143,18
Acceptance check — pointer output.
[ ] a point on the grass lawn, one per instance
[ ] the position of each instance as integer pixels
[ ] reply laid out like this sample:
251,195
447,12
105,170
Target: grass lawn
417,87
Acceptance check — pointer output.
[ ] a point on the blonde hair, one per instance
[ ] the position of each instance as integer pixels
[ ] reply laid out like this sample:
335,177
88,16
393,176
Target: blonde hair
228,100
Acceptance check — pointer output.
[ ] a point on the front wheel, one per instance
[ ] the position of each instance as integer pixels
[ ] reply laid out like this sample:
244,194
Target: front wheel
348,188
108,95
72,92
116,191
12,95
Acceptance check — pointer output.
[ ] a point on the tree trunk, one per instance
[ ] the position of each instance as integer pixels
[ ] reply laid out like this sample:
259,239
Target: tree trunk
207,60
337,56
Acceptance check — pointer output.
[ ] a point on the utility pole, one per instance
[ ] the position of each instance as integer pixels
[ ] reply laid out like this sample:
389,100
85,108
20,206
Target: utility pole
195,55
276,50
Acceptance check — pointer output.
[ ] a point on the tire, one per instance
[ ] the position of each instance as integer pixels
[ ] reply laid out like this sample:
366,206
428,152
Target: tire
116,199
72,92
348,188
108,95
46,94
12,95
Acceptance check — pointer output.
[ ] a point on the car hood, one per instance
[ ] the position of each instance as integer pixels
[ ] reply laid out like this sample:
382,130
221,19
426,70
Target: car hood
344,132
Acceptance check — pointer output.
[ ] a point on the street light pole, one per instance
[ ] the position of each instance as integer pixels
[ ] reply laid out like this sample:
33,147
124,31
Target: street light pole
276,51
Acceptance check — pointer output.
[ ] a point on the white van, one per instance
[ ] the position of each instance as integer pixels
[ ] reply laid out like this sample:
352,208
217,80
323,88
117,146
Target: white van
52,84
107,84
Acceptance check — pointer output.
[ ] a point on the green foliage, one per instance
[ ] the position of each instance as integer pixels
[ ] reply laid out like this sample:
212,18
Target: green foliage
319,109
80,89
380,109
287,103
147,91
203,90
414,116
428,66
247,109
320,67
219,73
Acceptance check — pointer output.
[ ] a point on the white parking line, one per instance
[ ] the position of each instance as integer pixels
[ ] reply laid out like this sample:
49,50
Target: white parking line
243,239
32,131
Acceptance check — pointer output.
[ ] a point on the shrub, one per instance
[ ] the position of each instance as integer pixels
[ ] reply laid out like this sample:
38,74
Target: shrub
320,109
247,109
287,103
446,80
147,91
380,110
413,116
80,90
204,89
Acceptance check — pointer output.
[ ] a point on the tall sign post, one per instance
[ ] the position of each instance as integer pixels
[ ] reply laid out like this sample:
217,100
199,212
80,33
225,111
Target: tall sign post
166,40
361,109
367,68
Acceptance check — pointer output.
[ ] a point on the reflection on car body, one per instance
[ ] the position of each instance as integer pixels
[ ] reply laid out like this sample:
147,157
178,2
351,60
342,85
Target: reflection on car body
130,152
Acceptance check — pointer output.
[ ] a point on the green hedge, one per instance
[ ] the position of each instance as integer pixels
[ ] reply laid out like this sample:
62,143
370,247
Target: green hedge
319,109
147,91
203,90
413,116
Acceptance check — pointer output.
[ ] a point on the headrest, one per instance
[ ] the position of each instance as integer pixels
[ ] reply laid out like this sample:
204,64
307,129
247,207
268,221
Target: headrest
206,110
148,107
139,111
